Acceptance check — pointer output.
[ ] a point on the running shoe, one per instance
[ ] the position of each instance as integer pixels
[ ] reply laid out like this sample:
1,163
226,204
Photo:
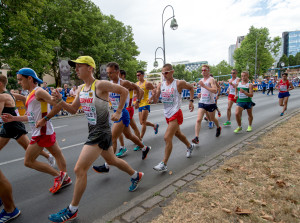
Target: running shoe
51,160
218,132
190,150
195,140
66,182
206,119
281,114
101,169
145,153
249,129
58,181
161,167
219,114
122,152
238,129
135,181
5,217
137,148
156,129
210,125
228,123
63,216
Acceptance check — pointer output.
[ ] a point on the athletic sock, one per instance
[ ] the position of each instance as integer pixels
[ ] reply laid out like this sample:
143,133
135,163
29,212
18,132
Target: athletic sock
144,148
121,147
134,175
73,209
106,165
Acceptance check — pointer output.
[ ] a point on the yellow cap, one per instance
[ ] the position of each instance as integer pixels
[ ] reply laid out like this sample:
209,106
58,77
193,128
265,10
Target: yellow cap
83,59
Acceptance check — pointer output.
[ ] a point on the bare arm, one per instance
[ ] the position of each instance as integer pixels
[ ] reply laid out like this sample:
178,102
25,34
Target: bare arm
132,86
72,108
291,86
250,93
104,87
19,97
184,85
157,93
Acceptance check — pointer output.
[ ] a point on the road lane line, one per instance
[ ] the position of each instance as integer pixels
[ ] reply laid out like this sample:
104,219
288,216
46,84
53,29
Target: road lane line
19,159
61,126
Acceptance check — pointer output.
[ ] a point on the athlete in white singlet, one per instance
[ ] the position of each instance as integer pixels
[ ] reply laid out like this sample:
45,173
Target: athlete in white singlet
206,103
233,83
170,90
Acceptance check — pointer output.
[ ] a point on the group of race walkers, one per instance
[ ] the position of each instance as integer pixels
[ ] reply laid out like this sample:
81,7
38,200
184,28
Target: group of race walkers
94,97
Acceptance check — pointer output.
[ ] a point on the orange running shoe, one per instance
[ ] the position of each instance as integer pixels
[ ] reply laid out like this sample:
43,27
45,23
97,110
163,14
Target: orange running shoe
58,181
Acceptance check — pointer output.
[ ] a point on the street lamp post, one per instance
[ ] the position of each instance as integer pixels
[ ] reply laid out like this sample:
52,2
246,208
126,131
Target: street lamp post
155,61
173,26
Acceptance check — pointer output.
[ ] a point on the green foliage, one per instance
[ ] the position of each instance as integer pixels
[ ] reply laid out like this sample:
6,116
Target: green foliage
246,54
292,60
12,83
221,69
297,59
283,59
33,28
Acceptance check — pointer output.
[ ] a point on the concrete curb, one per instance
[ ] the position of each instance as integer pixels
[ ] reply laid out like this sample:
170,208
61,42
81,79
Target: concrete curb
149,204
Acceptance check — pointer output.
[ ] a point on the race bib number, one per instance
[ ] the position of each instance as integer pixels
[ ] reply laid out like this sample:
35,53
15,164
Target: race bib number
167,97
205,98
283,88
90,114
31,121
232,90
242,95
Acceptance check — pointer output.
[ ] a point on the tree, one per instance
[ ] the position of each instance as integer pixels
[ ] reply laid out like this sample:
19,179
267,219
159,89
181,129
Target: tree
221,69
283,59
292,60
246,54
297,59
180,73
22,42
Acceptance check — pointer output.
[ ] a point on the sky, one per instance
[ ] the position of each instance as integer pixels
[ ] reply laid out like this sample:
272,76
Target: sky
206,28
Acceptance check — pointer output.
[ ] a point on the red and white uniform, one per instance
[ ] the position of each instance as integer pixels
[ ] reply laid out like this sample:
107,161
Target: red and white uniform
36,110
283,87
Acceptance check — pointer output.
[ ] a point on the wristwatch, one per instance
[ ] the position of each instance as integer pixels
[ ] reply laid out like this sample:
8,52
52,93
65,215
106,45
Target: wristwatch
192,100
138,100
46,118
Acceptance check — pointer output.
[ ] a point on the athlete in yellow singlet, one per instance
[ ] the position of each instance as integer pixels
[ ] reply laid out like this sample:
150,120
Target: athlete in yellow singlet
144,107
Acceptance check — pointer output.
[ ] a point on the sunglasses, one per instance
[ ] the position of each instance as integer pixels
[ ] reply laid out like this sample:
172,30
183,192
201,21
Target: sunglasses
138,75
166,72
204,70
233,72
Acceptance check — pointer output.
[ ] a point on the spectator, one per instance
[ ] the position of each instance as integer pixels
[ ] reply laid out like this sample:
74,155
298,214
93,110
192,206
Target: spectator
46,88
65,92
73,91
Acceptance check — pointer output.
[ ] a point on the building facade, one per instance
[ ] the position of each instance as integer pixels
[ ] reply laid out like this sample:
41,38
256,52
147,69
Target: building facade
231,50
291,43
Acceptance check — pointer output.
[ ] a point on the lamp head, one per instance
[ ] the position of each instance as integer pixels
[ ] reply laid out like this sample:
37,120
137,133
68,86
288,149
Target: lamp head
155,64
174,24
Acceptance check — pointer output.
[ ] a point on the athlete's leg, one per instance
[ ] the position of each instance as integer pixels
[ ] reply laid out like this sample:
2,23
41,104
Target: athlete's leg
213,118
135,128
88,155
6,194
111,159
121,140
168,137
182,137
281,101
32,152
58,155
3,142
230,103
238,115
200,115
131,137
144,122
117,130
250,116
285,103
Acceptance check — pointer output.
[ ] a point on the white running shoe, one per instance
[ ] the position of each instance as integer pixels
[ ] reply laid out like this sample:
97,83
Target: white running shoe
51,160
161,167
189,151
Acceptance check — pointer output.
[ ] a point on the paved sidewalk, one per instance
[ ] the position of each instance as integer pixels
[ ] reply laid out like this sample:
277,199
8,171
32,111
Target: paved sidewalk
149,205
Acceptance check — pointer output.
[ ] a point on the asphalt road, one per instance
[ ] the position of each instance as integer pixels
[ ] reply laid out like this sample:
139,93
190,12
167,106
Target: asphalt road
106,192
